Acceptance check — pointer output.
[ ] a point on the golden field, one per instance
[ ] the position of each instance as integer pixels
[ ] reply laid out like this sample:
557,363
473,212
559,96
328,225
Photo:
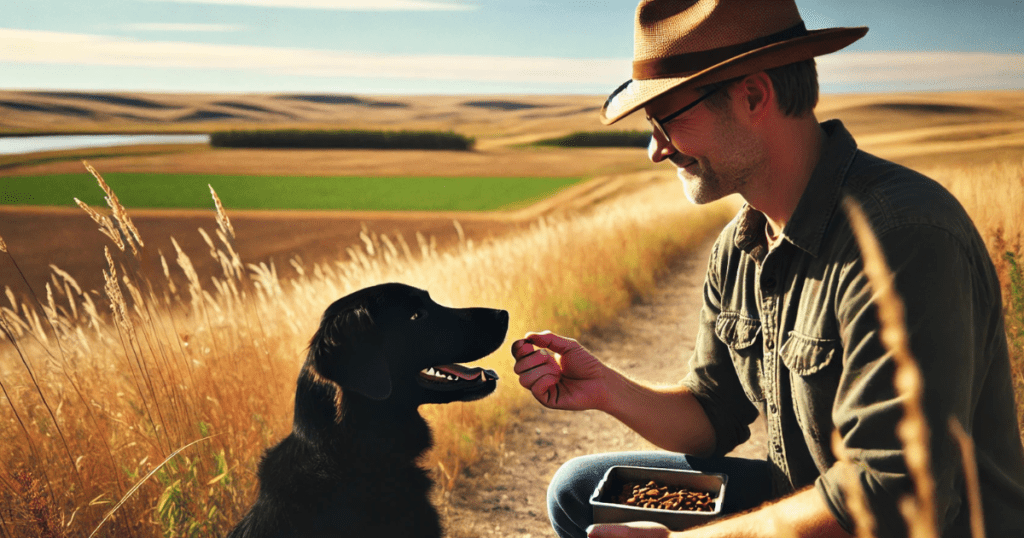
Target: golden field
101,387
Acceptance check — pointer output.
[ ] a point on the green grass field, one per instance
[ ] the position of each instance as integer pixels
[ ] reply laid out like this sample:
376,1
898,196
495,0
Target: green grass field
286,192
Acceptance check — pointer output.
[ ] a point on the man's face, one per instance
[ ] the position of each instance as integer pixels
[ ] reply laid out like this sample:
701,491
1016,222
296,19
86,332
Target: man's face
715,153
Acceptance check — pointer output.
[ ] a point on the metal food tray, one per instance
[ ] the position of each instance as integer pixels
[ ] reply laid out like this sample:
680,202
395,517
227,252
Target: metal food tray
606,510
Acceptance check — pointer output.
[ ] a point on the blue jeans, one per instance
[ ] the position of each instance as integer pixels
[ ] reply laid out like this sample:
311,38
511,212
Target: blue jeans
571,487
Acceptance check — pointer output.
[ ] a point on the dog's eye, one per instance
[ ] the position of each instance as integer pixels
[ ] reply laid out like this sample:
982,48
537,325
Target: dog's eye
419,314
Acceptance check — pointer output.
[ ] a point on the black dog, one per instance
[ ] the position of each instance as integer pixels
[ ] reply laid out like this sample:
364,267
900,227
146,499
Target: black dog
349,466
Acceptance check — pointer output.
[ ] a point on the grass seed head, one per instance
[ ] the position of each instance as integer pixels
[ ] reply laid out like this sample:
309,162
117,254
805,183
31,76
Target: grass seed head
912,430
222,218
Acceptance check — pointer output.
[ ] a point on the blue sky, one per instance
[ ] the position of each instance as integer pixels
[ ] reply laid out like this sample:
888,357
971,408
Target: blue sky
460,46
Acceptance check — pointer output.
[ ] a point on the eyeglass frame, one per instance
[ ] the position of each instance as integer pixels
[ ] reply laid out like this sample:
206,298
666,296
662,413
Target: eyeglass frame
659,125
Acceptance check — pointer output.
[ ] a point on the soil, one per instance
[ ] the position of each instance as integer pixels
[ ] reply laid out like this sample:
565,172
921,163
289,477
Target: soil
504,495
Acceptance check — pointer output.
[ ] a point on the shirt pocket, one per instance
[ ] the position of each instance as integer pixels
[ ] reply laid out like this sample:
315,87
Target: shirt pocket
742,335
814,381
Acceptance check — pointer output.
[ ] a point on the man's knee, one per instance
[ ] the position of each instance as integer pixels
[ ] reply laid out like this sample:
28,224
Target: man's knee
567,480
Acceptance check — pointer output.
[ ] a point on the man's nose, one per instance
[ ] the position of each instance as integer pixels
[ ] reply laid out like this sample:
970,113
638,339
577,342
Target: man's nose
659,148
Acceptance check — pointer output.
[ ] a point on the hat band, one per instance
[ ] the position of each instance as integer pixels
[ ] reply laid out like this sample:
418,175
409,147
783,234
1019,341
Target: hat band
682,65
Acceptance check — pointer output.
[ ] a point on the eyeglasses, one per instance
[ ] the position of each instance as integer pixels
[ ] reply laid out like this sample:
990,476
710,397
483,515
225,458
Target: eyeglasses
659,125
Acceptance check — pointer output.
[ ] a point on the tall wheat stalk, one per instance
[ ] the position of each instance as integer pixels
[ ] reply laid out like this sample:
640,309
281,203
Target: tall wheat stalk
913,431
970,476
856,501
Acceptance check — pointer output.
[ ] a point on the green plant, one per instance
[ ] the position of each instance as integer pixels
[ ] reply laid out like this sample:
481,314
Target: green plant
197,494
355,193
1015,306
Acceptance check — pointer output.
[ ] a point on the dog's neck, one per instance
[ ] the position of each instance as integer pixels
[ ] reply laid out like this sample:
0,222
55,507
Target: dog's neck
352,422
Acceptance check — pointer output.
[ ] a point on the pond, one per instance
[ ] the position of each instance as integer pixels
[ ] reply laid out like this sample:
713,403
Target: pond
10,145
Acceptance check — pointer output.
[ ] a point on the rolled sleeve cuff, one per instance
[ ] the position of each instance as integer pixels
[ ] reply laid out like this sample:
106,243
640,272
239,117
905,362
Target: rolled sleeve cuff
835,498
883,506
729,433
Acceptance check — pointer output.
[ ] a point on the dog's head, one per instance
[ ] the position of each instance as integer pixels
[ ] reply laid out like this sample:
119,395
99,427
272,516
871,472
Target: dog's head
393,342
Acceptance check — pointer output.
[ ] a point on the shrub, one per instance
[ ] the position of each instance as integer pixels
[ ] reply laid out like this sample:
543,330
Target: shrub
351,139
600,139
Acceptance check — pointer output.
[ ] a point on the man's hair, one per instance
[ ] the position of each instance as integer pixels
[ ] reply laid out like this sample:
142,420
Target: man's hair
796,88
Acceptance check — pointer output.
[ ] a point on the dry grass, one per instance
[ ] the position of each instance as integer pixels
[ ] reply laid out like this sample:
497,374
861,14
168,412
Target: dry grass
970,477
101,391
95,398
856,501
993,194
912,430
918,508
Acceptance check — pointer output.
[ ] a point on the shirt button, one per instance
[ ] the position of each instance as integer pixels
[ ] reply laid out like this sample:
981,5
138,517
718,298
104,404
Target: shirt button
777,447
770,344
773,409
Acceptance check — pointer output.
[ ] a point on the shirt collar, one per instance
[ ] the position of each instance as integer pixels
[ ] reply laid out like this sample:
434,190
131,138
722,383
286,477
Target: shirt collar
806,228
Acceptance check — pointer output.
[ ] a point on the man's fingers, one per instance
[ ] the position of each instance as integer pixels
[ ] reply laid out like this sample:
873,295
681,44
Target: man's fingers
534,361
521,348
531,377
537,358
549,340
545,389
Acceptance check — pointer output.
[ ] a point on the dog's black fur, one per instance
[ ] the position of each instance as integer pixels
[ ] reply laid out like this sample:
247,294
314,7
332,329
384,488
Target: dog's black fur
349,466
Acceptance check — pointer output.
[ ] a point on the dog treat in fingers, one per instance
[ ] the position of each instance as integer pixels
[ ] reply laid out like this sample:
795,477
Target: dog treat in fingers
653,495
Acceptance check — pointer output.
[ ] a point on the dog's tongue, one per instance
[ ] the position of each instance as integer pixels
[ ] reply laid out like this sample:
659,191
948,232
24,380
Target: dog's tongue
460,372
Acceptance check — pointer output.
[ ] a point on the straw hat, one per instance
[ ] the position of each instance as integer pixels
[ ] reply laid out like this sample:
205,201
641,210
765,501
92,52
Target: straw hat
690,43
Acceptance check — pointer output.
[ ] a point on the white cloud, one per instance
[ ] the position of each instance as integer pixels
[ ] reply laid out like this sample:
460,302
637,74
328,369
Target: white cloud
859,71
182,27
343,5
41,47
951,70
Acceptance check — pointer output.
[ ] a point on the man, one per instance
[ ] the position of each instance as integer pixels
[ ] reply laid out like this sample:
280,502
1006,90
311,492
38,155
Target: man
788,329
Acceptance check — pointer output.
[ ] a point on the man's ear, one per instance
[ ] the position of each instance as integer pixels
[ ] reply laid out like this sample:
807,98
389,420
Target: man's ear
758,94
349,351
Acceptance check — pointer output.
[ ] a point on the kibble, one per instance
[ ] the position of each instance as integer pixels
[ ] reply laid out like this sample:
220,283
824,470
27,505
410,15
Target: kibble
653,495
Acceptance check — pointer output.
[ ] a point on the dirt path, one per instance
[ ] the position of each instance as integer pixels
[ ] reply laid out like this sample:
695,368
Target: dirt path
651,341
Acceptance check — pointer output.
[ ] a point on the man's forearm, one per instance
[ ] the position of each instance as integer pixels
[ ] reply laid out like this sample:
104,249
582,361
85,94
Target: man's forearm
669,417
803,514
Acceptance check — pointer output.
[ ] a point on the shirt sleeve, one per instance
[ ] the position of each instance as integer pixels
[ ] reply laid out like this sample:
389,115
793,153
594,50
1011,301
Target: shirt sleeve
946,304
712,378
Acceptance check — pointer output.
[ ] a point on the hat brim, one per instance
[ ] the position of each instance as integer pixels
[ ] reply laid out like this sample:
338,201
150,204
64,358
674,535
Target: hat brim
637,93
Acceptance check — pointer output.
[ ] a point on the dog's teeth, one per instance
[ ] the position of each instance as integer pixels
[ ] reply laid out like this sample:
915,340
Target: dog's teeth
450,378
430,371
483,376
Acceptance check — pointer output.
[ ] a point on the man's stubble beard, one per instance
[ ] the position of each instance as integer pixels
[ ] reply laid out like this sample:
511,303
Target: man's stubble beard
743,156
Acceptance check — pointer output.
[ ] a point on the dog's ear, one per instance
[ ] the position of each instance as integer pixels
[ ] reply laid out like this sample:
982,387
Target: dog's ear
348,350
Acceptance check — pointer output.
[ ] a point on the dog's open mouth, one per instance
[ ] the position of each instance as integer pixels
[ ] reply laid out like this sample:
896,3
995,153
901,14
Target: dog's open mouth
454,377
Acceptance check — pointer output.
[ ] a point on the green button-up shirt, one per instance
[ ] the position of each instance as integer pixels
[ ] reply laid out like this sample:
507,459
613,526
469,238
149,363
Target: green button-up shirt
791,333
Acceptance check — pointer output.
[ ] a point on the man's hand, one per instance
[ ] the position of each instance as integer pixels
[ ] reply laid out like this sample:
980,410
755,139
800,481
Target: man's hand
638,529
573,382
